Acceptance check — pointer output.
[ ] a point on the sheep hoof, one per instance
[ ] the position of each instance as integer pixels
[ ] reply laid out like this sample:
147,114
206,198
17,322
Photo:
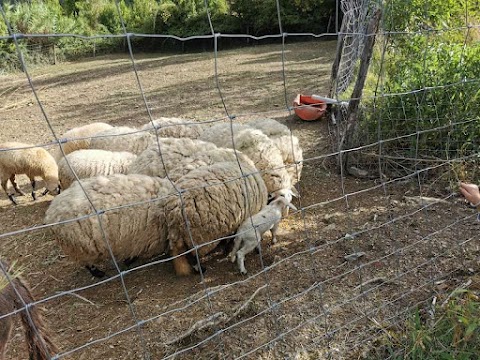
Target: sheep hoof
243,272
95,271
12,199
232,257
130,261
198,268
34,196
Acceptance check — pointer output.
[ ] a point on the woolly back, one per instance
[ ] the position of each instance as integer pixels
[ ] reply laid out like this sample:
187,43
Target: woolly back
216,199
256,145
122,138
175,152
131,212
174,127
286,142
93,162
269,127
79,138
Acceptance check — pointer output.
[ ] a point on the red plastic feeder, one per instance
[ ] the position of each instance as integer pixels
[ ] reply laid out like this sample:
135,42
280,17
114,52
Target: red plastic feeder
308,108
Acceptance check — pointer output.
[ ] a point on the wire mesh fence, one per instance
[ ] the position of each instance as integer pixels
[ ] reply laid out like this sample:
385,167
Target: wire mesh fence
372,239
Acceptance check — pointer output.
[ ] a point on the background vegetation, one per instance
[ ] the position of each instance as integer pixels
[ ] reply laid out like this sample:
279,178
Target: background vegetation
432,62
180,17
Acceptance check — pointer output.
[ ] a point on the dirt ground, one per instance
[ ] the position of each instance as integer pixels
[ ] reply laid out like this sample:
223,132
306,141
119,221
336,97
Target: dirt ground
303,299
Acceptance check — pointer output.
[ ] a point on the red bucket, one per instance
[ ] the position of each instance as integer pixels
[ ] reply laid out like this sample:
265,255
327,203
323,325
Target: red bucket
308,108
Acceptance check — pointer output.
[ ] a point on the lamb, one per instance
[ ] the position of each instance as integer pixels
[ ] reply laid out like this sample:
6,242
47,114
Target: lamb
19,158
122,138
131,211
13,296
174,127
79,138
256,145
93,162
215,200
179,156
248,237
287,143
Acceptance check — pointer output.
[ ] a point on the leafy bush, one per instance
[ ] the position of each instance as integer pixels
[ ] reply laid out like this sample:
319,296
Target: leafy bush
432,77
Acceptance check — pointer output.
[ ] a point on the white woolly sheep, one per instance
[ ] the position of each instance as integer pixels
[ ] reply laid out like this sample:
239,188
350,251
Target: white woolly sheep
78,138
287,143
122,138
13,295
179,156
250,233
215,200
19,158
175,127
258,147
132,231
93,162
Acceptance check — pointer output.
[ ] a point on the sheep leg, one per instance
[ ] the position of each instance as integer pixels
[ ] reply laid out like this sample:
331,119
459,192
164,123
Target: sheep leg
33,189
130,261
192,259
15,186
247,247
95,271
236,246
10,196
180,264
273,231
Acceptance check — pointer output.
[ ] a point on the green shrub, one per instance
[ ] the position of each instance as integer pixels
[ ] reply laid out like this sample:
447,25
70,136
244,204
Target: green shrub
454,333
432,78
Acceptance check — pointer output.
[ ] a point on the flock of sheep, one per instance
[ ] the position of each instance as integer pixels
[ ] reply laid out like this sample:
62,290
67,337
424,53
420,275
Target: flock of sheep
168,187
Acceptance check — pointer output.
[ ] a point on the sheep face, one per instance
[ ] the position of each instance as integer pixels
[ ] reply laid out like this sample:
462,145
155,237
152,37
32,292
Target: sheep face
53,185
288,194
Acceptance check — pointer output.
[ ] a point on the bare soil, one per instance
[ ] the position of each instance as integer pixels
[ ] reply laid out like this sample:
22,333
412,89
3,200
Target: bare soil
311,303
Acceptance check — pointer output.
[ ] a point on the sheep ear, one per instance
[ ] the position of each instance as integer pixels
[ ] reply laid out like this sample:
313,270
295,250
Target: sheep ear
291,206
295,192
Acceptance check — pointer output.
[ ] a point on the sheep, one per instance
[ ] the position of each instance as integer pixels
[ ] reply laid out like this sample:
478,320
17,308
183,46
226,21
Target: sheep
287,143
19,158
179,156
138,230
122,138
250,232
214,201
174,127
83,134
92,162
256,145
13,295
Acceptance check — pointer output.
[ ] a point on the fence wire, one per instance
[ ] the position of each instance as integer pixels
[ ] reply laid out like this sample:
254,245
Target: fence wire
328,291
